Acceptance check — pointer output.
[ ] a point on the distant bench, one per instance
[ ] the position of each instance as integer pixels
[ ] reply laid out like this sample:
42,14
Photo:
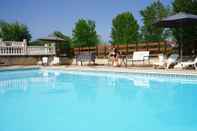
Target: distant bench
82,57
138,56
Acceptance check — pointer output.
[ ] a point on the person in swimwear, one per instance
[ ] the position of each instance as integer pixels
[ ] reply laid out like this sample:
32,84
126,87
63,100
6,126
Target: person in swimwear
115,55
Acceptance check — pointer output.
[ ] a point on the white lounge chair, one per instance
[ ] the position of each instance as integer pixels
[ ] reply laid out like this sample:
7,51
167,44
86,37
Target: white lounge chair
166,63
139,56
45,60
161,62
187,64
172,60
55,61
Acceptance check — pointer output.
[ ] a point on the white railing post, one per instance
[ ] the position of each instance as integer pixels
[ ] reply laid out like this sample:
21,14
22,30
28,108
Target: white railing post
24,50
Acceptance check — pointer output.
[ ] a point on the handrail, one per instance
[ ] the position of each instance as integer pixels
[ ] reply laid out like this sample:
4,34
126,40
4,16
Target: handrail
13,48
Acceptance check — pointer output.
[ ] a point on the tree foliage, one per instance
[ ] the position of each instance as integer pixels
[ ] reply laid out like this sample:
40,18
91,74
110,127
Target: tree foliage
152,13
84,33
124,29
14,31
187,35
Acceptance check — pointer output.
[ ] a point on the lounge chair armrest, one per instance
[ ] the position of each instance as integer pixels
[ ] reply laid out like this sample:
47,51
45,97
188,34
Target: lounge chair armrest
146,58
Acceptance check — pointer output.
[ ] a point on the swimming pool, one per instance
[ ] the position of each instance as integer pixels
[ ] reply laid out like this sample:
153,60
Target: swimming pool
57,100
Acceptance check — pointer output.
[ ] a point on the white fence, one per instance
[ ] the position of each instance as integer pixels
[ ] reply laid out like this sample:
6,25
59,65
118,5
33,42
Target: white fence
11,48
40,50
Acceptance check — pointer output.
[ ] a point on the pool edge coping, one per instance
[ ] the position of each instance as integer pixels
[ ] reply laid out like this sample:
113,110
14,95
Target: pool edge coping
124,70
17,68
104,69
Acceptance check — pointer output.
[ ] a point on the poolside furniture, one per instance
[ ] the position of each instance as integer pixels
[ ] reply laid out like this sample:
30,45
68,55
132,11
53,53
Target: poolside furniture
138,56
122,60
171,61
44,60
161,62
82,57
166,63
55,61
187,64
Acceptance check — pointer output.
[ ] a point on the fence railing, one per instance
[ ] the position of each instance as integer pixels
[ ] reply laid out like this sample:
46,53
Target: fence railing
40,50
11,48
103,50
8,51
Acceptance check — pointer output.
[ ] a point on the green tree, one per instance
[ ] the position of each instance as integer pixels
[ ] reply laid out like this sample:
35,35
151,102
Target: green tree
124,29
14,31
84,33
152,13
187,35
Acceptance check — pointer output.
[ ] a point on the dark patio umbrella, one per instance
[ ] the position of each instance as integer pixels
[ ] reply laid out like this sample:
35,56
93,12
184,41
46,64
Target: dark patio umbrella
180,20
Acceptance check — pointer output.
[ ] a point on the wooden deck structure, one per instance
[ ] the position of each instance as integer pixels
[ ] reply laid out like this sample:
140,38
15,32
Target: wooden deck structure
103,50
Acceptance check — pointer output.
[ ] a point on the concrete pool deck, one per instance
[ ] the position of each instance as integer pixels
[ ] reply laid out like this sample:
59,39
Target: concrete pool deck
150,70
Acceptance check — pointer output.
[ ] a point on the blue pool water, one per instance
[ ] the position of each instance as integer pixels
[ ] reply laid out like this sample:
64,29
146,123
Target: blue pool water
49,100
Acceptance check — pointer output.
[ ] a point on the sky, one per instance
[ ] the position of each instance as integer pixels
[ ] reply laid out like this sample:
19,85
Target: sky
46,16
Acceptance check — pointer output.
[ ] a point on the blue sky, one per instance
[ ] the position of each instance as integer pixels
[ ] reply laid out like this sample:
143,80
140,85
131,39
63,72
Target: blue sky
45,16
